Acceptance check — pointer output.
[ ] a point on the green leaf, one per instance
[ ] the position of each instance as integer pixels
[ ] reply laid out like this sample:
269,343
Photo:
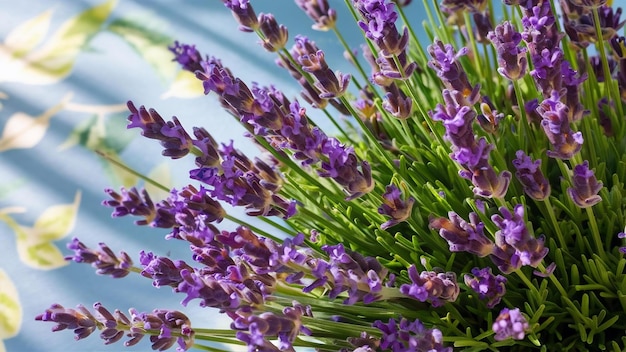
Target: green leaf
24,131
55,59
10,309
144,36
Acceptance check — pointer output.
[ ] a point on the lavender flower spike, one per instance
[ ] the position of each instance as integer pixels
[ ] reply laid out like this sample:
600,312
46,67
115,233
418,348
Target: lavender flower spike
409,336
514,234
510,323
438,288
319,11
463,236
244,14
511,58
585,188
104,259
394,206
488,286
275,35
165,327
530,176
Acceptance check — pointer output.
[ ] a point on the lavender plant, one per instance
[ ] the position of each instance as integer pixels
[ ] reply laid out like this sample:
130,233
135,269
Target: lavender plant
374,227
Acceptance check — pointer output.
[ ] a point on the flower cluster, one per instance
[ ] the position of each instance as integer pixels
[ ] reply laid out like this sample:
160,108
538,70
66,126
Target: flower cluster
406,230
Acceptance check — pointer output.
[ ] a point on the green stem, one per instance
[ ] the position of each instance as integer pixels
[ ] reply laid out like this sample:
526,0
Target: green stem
555,223
608,83
132,171
596,233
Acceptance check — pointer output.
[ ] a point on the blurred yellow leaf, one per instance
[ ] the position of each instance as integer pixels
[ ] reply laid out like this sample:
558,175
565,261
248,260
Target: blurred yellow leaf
55,59
163,175
35,245
25,131
57,221
44,256
27,35
185,85
10,309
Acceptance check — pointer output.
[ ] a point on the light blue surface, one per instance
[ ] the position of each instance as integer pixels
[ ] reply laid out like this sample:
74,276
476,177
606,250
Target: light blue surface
111,73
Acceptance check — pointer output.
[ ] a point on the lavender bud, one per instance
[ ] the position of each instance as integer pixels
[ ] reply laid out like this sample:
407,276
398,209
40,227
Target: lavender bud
585,187
510,324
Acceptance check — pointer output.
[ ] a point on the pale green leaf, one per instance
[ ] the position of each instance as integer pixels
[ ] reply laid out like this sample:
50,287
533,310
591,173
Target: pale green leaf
55,59
44,256
10,308
25,131
79,135
163,175
57,221
186,85
27,35
100,132
144,36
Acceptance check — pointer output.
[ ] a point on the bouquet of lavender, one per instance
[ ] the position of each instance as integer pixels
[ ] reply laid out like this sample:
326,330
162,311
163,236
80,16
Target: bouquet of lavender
471,198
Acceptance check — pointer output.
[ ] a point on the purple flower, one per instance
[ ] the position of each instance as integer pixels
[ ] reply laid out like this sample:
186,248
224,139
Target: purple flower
275,36
623,248
510,324
556,124
463,236
162,270
312,60
173,137
405,336
489,287
585,186
397,103
398,209
187,56
166,327
262,328
515,246
511,57
104,260
131,202
244,14
320,12
437,288
342,166
530,176
445,63
378,23
346,271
